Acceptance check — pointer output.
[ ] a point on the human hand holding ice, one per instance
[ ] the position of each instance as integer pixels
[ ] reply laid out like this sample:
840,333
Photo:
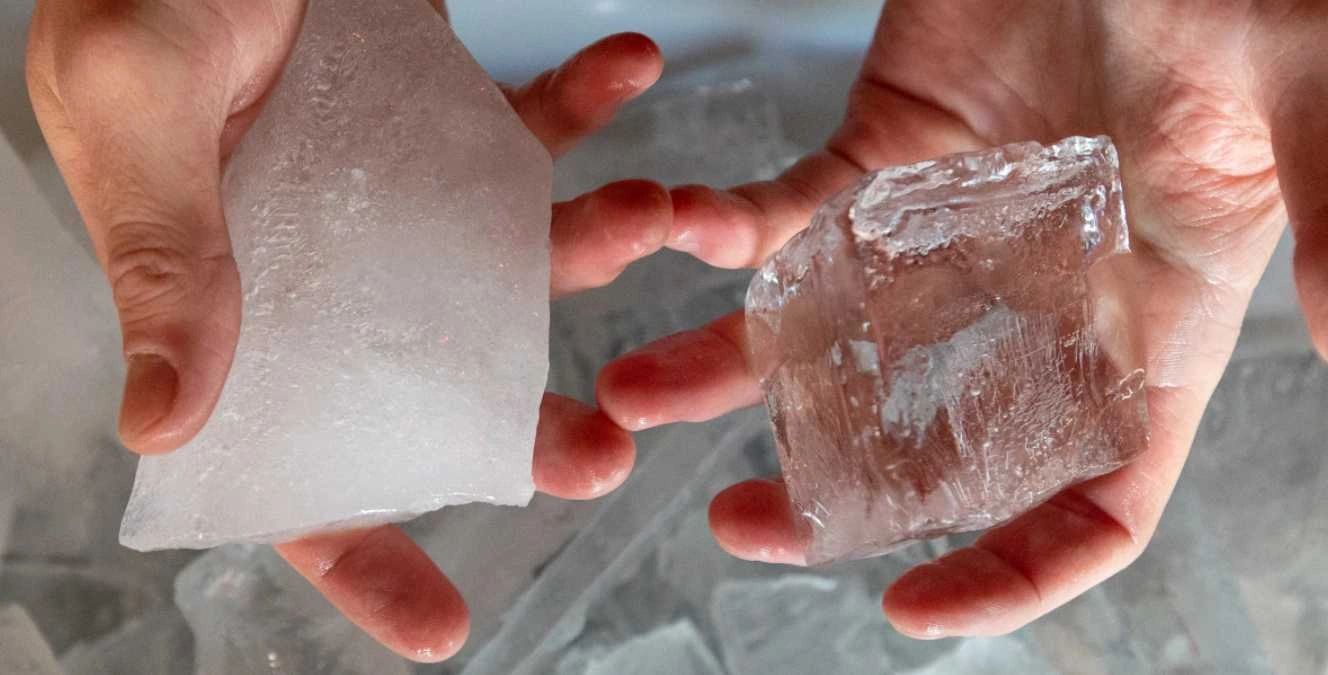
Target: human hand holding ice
142,149
1184,93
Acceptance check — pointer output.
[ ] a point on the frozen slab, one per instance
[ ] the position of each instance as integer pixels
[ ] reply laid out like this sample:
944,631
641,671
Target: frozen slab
251,613
23,651
947,345
389,214
675,649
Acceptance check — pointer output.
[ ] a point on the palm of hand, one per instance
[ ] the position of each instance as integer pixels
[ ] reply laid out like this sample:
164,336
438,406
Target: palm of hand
1173,84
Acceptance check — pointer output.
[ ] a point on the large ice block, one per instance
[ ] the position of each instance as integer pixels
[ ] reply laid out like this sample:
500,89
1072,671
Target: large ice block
23,651
950,343
389,214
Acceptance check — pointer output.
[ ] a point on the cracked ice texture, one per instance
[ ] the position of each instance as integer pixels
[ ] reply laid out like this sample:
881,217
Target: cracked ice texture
947,345
389,214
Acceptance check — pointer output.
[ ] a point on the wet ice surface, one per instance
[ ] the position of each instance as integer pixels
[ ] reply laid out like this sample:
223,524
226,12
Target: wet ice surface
23,651
947,345
395,273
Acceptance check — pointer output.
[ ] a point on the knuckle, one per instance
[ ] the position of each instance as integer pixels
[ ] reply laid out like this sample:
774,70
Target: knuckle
150,273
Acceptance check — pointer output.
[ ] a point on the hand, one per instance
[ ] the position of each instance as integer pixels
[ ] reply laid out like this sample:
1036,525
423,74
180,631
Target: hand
1210,105
142,102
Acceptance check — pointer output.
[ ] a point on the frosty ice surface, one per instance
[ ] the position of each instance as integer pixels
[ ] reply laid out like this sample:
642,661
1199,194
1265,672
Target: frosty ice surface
389,214
948,345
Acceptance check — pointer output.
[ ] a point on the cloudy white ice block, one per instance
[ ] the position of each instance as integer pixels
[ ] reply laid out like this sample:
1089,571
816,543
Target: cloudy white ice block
23,650
389,214
60,367
251,613
950,343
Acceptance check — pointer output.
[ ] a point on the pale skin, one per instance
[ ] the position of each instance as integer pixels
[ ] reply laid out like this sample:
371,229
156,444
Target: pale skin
1210,103
1216,108
141,103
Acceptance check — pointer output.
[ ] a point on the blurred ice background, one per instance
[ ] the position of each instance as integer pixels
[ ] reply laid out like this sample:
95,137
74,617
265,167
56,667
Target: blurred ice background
1233,583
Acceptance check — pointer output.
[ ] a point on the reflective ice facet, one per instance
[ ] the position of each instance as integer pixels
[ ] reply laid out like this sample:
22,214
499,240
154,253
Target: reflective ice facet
949,344
389,214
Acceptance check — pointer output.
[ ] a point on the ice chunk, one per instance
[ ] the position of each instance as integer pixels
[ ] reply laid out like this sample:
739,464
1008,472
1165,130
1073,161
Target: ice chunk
251,613
159,642
947,345
389,214
23,651
675,649
766,626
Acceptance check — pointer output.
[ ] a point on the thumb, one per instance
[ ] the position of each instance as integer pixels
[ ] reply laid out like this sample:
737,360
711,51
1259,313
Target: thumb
134,106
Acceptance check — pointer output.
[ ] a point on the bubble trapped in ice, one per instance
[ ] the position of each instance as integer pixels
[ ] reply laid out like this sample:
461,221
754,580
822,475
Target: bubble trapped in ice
949,344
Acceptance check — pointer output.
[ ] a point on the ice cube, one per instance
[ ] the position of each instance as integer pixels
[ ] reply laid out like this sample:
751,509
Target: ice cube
675,649
250,613
389,214
766,626
949,344
23,651
159,642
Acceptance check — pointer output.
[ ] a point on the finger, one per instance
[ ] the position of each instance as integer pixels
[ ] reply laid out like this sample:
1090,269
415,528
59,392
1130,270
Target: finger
755,521
884,127
562,106
1298,131
149,190
579,452
687,377
596,236
1018,572
385,584
1012,574
740,227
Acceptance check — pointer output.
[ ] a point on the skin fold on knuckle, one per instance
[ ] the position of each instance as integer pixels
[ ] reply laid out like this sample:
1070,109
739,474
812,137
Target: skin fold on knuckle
152,272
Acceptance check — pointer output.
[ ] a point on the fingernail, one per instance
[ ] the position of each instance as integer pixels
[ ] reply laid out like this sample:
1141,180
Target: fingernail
149,395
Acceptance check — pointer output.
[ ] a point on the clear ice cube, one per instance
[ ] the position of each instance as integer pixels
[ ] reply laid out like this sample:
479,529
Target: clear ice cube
389,214
948,345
